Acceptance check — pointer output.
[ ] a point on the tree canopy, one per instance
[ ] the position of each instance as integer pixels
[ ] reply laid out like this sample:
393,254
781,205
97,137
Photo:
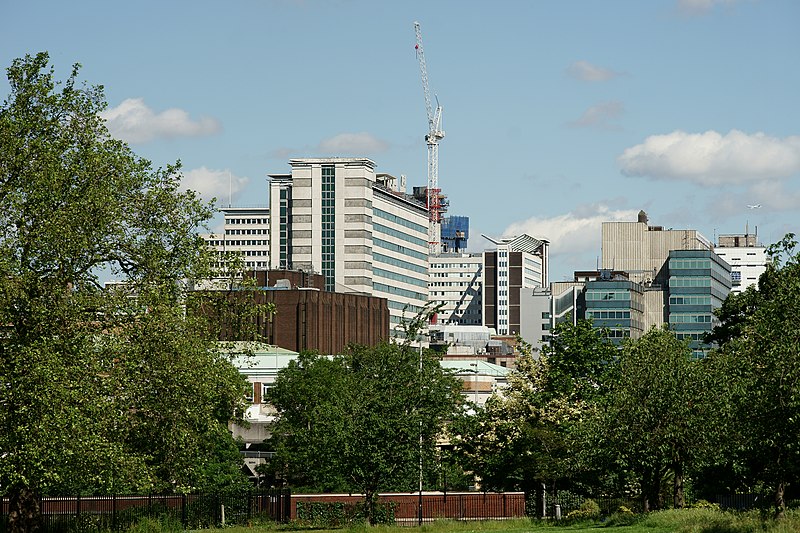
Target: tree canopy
760,352
102,389
358,422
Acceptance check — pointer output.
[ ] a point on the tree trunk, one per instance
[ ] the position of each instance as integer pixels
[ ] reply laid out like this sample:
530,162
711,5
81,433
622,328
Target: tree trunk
24,513
370,503
780,502
646,490
678,499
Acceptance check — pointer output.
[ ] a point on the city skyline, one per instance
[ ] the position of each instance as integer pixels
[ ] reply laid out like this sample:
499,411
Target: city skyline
559,115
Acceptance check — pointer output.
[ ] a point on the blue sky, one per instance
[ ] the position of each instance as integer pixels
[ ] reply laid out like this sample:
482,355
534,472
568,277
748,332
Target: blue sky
559,114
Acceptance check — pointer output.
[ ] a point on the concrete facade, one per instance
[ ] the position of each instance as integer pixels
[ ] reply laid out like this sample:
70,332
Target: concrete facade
456,282
516,263
641,250
747,258
337,217
246,232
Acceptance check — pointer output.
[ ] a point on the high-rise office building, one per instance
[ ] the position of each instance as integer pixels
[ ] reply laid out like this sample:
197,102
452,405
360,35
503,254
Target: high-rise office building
515,264
359,229
699,281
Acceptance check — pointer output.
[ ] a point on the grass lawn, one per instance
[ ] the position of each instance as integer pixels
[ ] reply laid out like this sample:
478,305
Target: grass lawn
680,521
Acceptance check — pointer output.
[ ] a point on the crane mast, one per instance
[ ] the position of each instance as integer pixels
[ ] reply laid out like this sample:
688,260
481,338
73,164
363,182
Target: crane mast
435,134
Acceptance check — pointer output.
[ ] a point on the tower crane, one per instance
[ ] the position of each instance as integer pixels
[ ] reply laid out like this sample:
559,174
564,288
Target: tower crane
432,138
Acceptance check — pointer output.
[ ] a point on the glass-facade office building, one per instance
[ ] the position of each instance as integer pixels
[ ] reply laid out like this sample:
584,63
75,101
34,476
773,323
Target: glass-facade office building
616,306
699,281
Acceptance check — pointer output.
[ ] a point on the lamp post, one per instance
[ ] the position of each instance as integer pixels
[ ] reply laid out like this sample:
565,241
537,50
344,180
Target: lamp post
419,503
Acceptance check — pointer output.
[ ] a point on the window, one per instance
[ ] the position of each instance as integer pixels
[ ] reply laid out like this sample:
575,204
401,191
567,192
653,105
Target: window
265,392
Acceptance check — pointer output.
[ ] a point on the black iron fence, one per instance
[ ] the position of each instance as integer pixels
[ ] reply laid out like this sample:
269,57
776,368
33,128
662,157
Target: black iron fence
568,502
191,511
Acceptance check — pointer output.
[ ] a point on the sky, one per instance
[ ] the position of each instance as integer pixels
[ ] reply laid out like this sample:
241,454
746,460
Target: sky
559,114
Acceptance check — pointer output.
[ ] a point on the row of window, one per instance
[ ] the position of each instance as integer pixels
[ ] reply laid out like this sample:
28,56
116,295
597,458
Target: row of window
690,300
398,248
448,284
240,221
690,281
691,335
399,220
473,266
399,277
691,264
689,318
390,289
239,243
399,234
246,232
399,263
594,295
608,313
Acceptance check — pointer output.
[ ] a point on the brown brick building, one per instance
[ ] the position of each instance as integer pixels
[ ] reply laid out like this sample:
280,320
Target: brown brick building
309,318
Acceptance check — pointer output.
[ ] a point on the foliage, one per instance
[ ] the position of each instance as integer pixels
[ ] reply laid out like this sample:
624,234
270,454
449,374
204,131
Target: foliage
357,422
589,510
658,418
340,514
104,389
762,368
532,433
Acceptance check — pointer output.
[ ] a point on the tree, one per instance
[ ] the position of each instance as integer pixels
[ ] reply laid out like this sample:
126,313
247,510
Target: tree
102,390
762,358
658,419
358,422
530,435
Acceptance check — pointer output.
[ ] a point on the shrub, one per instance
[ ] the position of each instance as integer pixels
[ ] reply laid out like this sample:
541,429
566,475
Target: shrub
624,516
589,510
704,504
340,514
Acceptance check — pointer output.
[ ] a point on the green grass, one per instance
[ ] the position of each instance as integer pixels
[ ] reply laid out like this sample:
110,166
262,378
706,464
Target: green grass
678,521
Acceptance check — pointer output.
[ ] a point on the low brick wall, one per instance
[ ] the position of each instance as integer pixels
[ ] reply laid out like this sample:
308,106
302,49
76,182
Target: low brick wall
435,505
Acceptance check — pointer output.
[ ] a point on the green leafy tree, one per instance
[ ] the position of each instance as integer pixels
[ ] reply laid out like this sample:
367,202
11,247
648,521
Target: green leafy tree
531,434
658,419
101,390
357,422
762,359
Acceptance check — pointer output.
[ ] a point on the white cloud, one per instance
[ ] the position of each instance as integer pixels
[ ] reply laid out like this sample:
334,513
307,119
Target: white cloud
210,183
701,7
134,122
575,237
575,232
585,71
353,144
713,159
600,116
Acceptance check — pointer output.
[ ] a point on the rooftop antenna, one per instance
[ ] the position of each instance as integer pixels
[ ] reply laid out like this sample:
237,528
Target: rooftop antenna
230,189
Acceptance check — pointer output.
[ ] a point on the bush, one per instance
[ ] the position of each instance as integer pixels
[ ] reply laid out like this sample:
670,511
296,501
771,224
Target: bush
624,516
589,510
340,514
704,504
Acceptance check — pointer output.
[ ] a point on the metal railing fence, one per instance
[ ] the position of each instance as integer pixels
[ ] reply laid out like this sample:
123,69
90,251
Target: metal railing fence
76,514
